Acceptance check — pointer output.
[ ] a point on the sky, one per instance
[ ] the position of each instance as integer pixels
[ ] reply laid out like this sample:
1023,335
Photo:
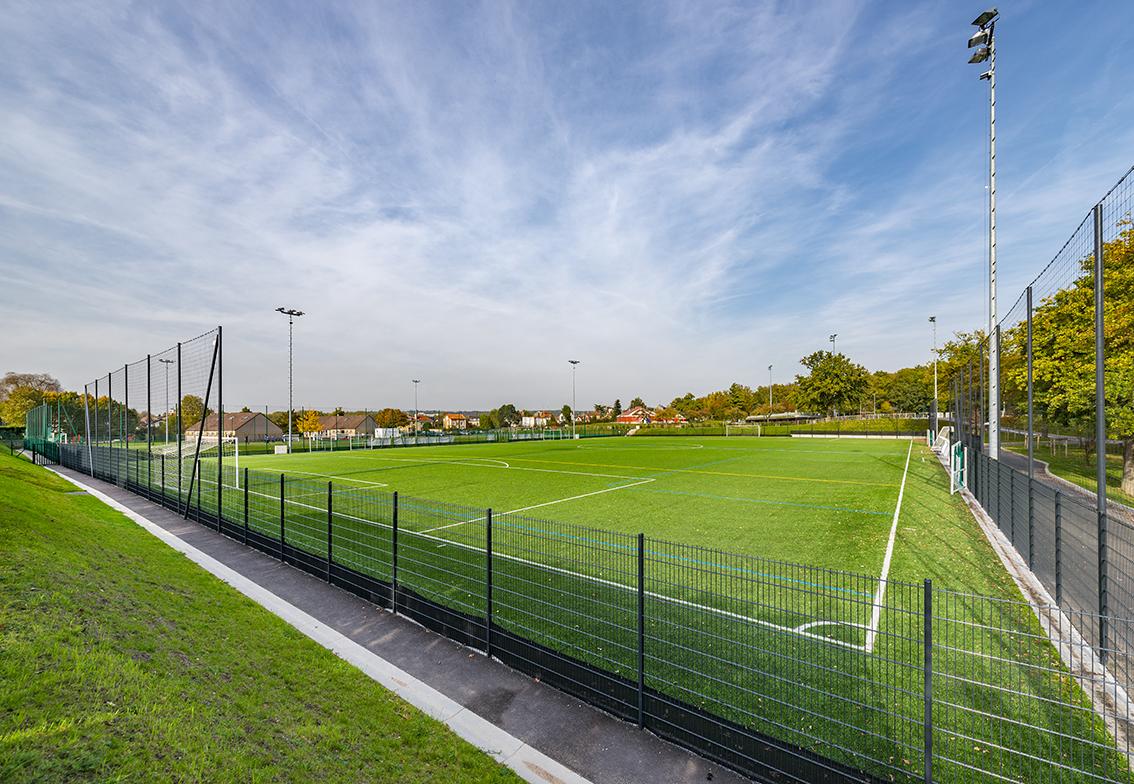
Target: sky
677,194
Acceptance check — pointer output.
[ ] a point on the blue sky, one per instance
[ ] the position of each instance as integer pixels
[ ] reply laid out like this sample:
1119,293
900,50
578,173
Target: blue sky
678,194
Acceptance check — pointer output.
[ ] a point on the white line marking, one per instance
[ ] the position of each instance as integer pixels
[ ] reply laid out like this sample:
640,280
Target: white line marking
340,478
463,462
537,506
880,593
800,631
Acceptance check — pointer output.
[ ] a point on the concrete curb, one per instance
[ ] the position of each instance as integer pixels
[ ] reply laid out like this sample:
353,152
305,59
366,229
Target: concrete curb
530,764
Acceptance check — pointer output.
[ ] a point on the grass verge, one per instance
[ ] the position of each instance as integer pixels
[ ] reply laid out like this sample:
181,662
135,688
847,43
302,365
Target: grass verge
123,661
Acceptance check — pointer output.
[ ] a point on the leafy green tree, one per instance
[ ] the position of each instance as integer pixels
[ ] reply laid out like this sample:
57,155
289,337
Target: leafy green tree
566,412
21,392
834,383
192,411
638,402
617,408
338,411
1063,346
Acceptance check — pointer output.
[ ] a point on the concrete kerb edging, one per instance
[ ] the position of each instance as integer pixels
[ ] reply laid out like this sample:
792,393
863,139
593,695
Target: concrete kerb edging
1108,698
530,764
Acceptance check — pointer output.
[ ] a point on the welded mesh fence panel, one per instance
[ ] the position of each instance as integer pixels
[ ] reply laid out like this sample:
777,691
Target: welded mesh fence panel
992,660
572,592
813,658
448,569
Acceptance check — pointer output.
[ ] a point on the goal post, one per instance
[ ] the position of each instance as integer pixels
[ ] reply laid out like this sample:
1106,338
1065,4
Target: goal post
958,466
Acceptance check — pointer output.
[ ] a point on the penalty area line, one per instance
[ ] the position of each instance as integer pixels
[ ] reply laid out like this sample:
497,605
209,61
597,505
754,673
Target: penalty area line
537,506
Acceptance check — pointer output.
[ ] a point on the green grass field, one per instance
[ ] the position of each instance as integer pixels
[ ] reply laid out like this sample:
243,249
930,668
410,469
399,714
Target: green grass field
1073,464
822,503
121,660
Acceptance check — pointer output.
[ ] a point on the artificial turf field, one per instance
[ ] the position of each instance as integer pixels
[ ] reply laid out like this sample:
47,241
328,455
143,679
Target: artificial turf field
820,502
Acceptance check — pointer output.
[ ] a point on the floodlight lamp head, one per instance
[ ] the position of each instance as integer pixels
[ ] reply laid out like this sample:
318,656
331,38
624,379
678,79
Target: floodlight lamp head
983,20
986,75
981,37
933,319
574,361
980,55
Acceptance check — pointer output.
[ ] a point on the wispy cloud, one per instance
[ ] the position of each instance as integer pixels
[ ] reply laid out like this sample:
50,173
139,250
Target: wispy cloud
678,195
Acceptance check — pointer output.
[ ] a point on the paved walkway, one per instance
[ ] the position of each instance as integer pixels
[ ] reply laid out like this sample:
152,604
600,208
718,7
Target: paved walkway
1042,473
593,744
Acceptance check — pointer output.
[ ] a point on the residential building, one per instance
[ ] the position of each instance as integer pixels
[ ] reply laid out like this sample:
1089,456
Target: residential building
455,422
346,426
245,425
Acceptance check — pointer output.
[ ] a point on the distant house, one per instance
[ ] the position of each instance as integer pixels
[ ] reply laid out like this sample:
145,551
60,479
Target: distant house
638,415
676,419
346,426
455,422
245,425
538,419
474,422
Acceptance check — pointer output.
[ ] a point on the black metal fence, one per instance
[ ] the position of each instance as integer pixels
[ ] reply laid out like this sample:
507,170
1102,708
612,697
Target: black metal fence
775,669
1064,349
782,671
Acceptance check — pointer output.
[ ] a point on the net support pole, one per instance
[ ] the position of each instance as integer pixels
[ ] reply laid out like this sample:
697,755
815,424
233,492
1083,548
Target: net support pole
194,476
87,426
927,676
149,434
219,359
245,506
488,583
1100,434
122,420
1031,450
110,420
282,518
641,630
330,532
394,558
1058,548
180,431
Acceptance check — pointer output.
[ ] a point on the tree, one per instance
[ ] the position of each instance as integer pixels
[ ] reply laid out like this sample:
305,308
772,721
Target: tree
1063,343
21,392
308,423
834,383
391,417
279,419
638,402
567,413
617,408
39,381
245,410
192,411
338,411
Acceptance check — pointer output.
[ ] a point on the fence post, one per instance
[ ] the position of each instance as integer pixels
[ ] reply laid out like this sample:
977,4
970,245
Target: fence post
488,583
219,358
641,630
1058,547
246,505
180,470
163,478
394,559
330,513
282,519
149,435
1100,436
928,676
1031,438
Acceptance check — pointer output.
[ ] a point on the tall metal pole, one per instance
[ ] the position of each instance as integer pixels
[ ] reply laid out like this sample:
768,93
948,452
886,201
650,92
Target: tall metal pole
933,321
416,381
291,314
1100,435
769,393
165,416
1031,427
986,40
574,364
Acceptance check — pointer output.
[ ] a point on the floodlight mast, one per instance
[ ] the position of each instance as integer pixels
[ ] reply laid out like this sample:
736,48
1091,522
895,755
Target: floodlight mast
933,321
985,38
292,315
415,381
574,364
832,339
165,416
769,393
